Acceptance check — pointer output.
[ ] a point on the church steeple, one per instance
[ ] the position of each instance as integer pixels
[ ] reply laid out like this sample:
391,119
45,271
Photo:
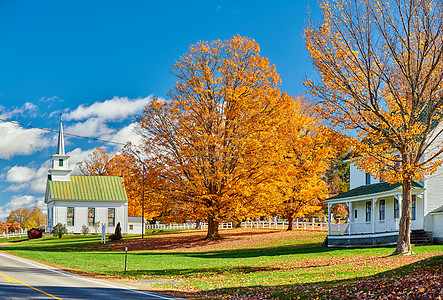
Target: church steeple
60,141
60,170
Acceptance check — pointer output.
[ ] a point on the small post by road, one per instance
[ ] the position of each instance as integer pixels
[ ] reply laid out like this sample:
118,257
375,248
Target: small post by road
103,240
126,257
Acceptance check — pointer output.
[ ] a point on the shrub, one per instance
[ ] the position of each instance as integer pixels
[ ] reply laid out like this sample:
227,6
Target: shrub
59,230
85,229
117,234
96,227
34,233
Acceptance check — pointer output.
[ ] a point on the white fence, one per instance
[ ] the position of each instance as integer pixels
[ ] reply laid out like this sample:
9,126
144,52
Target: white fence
283,225
8,235
186,226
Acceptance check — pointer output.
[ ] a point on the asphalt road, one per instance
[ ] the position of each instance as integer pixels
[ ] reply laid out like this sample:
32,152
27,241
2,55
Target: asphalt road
24,279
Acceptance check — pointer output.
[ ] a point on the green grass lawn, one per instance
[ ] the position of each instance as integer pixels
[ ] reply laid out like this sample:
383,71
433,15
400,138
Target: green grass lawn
234,265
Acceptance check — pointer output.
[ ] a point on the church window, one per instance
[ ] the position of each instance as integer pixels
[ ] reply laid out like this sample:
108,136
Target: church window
60,162
70,216
91,216
111,217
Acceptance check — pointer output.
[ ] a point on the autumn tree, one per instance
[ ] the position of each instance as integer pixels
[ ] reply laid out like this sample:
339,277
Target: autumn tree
214,138
381,71
338,174
129,164
27,217
306,150
10,227
97,163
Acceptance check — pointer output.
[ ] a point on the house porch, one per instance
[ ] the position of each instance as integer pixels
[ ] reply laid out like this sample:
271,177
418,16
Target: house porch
373,218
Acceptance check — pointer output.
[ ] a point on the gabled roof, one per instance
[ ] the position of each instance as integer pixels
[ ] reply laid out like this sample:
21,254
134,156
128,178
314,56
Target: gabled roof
437,210
88,188
135,220
373,189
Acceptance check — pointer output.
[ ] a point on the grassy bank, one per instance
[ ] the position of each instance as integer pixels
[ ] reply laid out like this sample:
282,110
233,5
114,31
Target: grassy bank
254,263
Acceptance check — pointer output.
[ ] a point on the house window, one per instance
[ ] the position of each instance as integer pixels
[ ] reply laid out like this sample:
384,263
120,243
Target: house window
396,209
382,209
91,216
368,178
368,211
60,162
70,216
131,227
111,217
414,207
355,214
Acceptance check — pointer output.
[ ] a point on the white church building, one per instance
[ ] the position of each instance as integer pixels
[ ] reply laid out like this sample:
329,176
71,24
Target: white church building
77,200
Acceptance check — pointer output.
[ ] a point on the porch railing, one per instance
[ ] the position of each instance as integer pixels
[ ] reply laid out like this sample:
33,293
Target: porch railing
378,226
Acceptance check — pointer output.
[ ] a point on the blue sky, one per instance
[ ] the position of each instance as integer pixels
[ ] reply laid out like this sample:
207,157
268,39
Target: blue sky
99,62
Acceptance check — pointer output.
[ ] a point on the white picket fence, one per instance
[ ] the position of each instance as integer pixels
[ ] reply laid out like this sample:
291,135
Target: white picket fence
186,226
8,235
283,225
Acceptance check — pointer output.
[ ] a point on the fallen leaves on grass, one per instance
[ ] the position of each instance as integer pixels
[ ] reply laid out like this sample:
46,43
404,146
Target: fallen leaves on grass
411,282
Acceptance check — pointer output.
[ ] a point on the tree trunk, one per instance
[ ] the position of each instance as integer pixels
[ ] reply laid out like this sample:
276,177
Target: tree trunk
290,220
404,230
237,224
212,229
198,224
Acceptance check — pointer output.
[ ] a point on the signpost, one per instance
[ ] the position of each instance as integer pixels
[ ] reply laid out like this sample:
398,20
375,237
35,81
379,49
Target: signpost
103,240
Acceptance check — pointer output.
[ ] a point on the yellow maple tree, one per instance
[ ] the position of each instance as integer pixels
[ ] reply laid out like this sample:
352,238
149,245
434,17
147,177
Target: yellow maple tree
381,70
214,140
307,148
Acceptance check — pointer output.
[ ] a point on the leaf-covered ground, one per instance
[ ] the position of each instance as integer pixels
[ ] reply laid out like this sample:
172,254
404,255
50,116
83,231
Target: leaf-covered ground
420,280
247,264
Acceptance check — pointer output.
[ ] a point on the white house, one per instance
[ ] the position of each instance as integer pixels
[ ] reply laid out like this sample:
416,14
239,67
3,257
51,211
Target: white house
375,210
136,224
77,200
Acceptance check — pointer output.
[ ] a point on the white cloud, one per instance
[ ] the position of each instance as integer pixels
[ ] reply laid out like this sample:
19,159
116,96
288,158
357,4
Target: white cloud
77,155
26,109
117,108
126,134
18,202
17,140
20,174
91,127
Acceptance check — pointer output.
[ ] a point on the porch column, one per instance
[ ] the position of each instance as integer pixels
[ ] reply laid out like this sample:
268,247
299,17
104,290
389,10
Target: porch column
349,216
400,200
329,218
373,214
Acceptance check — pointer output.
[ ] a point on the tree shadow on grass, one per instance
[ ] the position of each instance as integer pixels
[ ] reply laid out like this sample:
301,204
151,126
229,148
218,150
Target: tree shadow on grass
419,280
199,271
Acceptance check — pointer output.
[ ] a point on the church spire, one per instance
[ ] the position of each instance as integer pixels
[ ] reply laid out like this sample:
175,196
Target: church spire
60,161
61,141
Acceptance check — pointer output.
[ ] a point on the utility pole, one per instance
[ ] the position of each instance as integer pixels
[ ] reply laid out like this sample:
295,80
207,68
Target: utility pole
143,201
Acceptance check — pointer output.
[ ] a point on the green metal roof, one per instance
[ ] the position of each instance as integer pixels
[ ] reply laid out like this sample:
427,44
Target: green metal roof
89,188
372,189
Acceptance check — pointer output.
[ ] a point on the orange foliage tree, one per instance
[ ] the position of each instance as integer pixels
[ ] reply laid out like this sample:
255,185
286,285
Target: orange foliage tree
27,217
126,163
214,140
381,70
306,150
